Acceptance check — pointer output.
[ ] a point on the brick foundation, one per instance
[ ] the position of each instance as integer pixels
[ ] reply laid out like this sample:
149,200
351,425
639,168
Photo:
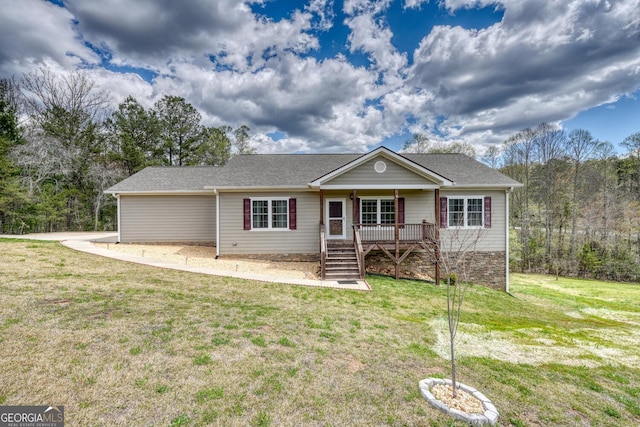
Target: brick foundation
487,269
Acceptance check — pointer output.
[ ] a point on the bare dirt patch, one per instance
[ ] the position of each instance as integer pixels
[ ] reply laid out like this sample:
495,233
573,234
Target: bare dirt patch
204,256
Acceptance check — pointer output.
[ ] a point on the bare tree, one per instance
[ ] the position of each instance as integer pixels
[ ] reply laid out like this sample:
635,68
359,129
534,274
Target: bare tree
453,147
632,144
418,143
581,146
491,157
549,143
242,142
65,105
103,176
42,158
519,158
458,249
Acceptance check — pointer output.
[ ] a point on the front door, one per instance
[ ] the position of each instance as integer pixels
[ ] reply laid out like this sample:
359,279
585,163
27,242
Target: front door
336,219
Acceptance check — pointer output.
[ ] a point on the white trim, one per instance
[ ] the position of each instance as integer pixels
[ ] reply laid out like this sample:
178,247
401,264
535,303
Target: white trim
217,225
506,220
380,187
160,193
270,213
380,166
484,186
250,188
391,155
344,217
466,227
117,196
378,208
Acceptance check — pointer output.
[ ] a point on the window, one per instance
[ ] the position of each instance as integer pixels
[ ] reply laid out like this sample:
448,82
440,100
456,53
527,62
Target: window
387,211
377,211
269,214
465,212
279,214
369,212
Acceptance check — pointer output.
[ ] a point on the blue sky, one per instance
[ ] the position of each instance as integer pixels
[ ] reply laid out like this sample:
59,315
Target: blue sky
348,76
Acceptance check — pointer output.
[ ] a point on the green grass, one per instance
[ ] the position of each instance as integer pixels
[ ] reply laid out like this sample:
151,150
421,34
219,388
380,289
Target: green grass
124,344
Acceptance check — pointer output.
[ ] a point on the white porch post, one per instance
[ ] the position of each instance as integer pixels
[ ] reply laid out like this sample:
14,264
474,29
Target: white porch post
506,195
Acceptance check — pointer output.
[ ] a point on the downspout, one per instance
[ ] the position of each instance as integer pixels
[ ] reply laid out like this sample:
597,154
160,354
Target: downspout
506,195
217,224
117,196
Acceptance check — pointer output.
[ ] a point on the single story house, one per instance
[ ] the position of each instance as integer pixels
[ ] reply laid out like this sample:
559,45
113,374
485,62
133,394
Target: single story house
346,211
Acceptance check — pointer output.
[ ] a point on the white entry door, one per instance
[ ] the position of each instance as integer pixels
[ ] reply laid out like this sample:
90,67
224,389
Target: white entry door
336,219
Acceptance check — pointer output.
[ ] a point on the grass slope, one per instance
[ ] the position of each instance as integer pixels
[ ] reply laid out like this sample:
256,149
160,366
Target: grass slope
123,344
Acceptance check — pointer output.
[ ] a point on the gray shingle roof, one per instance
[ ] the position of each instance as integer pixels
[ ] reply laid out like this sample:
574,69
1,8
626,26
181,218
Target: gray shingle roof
279,170
297,170
462,169
159,179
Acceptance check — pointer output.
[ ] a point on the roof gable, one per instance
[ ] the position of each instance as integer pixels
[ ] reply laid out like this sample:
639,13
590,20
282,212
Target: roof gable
378,168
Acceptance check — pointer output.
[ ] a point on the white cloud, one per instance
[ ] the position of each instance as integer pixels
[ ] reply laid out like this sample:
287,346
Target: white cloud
370,36
545,61
536,65
33,31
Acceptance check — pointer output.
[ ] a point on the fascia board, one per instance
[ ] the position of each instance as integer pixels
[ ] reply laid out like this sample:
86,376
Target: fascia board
482,186
379,187
260,189
160,193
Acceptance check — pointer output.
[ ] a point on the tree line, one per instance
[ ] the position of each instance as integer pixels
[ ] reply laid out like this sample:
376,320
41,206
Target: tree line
61,146
578,213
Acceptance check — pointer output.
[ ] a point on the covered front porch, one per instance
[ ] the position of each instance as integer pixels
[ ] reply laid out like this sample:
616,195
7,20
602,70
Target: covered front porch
379,226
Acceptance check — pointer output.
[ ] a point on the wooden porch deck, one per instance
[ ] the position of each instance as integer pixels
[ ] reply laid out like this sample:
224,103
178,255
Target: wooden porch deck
396,242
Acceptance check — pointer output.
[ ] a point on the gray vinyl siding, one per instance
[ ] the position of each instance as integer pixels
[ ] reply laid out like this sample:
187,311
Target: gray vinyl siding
168,218
234,240
491,239
366,174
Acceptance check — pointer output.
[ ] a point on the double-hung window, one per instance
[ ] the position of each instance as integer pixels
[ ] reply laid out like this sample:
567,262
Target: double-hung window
269,213
465,211
377,211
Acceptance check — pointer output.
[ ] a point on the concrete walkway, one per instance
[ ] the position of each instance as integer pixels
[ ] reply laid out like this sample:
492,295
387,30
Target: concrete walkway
82,242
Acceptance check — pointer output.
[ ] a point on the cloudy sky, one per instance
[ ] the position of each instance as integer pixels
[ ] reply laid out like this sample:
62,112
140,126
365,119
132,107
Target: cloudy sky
348,76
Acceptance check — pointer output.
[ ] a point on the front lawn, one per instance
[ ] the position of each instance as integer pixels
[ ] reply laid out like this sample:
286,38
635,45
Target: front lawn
124,344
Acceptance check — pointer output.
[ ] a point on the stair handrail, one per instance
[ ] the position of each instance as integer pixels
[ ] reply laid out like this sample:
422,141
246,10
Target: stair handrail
357,241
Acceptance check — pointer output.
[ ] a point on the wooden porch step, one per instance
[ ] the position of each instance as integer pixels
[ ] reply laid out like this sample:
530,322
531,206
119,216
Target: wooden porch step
341,262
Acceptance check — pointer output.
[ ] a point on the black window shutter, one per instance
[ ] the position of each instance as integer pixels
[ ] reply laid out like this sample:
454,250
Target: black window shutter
247,214
401,211
293,223
443,212
357,210
487,212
